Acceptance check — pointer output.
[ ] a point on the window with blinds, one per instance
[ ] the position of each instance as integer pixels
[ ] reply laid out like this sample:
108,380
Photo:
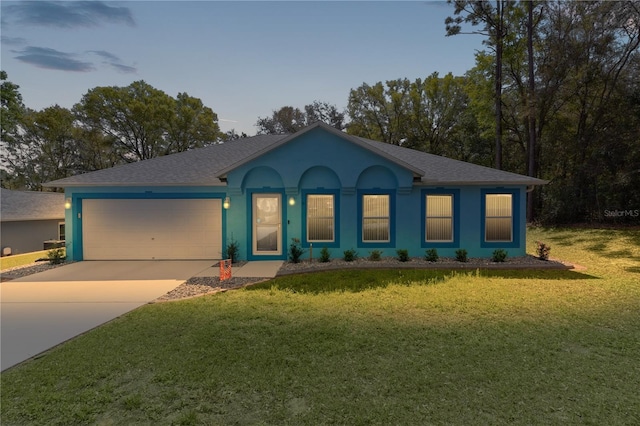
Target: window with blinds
375,218
498,218
320,218
439,218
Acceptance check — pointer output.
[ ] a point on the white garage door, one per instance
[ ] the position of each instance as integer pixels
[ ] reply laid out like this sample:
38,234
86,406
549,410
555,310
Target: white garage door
151,229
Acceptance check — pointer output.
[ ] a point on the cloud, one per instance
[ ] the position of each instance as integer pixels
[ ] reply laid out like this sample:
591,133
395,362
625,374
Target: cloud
114,62
106,55
44,57
52,59
66,14
13,41
125,69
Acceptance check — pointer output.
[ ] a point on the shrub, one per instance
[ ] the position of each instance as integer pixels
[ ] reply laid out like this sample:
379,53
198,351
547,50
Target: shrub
350,255
542,250
231,251
56,256
431,255
374,255
461,255
403,255
499,255
295,251
325,254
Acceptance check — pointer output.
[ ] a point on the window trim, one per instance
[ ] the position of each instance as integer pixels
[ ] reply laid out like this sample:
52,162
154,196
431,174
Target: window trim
455,193
515,218
62,234
336,218
392,215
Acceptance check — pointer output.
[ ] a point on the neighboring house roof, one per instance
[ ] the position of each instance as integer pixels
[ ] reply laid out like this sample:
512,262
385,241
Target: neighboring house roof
210,165
30,205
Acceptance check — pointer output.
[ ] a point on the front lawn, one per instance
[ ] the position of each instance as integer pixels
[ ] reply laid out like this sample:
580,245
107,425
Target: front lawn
365,347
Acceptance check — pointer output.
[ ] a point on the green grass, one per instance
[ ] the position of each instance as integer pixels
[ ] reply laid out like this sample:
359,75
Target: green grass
7,262
365,347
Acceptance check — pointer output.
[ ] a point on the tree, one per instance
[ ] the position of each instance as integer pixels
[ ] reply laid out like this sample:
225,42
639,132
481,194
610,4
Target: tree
326,113
192,126
45,150
591,63
381,112
437,104
477,12
134,117
430,115
11,112
289,119
143,122
532,164
283,121
232,135
11,108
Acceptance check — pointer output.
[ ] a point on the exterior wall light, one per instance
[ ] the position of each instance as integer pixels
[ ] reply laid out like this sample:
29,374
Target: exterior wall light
226,203
292,201
67,203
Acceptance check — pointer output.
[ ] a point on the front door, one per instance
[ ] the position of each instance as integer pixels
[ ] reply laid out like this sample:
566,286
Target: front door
267,224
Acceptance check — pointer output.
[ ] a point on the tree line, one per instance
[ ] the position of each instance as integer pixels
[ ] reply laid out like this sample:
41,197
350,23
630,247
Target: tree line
555,95
109,126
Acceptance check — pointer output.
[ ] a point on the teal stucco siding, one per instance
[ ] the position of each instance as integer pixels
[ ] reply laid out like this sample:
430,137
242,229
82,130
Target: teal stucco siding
321,163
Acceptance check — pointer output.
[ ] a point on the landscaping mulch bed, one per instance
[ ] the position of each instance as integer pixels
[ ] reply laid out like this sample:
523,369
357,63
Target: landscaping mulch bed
25,270
199,286
524,262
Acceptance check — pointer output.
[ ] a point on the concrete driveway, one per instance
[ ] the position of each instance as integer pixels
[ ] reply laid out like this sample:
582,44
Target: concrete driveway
43,310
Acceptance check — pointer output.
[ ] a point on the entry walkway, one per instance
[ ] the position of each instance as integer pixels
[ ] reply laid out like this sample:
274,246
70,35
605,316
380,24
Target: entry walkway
258,269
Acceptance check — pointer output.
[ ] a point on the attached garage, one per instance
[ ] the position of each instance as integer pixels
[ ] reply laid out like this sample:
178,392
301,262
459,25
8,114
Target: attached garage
146,229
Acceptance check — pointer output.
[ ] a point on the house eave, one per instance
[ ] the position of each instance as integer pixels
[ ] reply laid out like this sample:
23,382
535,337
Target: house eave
31,219
131,184
432,182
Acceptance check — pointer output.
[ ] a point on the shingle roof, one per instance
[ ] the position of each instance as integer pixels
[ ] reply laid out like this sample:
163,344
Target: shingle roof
442,170
206,166
30,205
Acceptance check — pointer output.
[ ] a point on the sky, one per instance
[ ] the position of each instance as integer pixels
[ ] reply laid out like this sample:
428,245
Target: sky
242,59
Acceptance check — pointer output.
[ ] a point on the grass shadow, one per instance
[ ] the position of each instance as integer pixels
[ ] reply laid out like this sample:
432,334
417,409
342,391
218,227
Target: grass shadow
606,242
550,274
355,281
633,269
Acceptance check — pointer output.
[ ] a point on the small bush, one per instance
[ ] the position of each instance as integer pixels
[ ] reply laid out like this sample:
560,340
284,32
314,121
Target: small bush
295,251
542,250
232,251
375,255
325,255
499,255
431,255
461,255
350,255
403,255
56,256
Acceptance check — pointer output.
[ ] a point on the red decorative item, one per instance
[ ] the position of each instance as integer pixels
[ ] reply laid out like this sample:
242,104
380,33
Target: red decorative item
225,269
